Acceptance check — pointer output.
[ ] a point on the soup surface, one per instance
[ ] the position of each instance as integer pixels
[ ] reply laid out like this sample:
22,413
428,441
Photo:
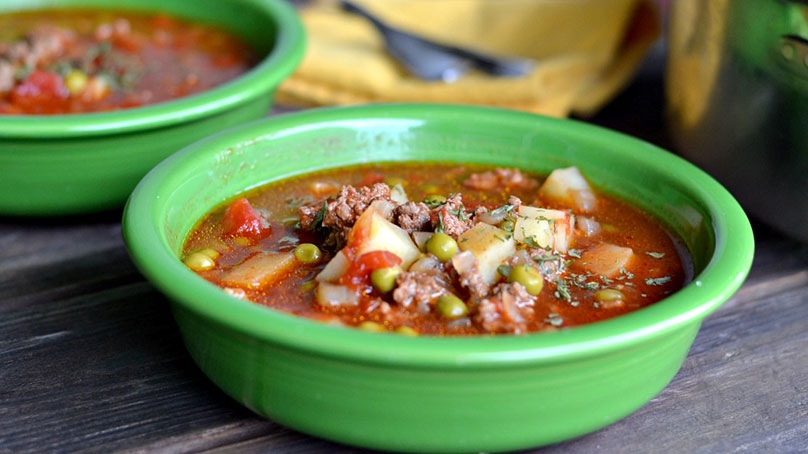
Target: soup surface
75,61
438,249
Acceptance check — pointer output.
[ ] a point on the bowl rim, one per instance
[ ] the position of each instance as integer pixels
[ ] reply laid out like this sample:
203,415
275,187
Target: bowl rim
258,81
721,277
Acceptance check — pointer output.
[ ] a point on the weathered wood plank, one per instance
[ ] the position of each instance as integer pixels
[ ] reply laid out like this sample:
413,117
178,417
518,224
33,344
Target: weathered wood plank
90,359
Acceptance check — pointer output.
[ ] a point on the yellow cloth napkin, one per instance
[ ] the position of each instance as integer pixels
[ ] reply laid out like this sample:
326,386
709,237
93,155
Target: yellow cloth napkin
586,51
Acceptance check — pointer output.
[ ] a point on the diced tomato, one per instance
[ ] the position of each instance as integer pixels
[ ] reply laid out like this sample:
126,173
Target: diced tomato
40,90
242,220
42,83
358,272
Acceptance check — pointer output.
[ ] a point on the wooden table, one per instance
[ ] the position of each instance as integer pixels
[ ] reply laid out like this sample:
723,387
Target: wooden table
90,359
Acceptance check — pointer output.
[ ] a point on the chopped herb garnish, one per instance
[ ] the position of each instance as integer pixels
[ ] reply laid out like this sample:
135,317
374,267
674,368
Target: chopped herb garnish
656,255
531,241
504,270
503,210
658,280
628,274
574,253
441,227
554,319
562,290
460,213
318,218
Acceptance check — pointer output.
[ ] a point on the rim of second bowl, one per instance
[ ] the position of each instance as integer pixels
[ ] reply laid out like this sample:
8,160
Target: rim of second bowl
283,58
720,278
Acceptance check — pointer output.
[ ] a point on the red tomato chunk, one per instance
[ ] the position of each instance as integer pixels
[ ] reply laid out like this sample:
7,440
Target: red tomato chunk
242,220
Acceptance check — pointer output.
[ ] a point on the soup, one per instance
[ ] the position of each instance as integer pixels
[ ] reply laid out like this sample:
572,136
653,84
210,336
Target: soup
438,249
78,61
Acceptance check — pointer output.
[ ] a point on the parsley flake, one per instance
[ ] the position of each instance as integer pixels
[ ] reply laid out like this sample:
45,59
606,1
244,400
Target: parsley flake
554,319
563,291
657,280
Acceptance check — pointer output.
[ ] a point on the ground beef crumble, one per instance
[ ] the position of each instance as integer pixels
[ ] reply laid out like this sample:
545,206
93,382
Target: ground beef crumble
340,214
452,217
412,216
419,289
506,310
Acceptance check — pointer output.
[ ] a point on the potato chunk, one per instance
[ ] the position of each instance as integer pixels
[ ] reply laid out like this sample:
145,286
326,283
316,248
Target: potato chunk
569,187
490,246
260,270
335,268
544,228
373,232
606,259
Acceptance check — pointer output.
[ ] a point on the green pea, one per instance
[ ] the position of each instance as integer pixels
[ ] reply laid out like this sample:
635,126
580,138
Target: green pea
384,279
529,277
451,306
308,253
201,260
371,326
609,297
406,330
434,200
75,81
442,246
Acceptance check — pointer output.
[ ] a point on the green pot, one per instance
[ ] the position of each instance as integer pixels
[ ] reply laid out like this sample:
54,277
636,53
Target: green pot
432,394
66,164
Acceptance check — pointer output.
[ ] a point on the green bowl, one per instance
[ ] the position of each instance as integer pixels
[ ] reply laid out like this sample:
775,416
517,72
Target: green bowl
67,164
433,394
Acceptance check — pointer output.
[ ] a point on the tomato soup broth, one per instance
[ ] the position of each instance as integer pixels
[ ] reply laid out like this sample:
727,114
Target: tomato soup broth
78,61
439,249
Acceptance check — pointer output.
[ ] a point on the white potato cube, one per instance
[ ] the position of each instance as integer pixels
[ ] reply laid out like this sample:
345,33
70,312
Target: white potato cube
260,270
569,187
334,269
544,228
373,232
490,245
607,260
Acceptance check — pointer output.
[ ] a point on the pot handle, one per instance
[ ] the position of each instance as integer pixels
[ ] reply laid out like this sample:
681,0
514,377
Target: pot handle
793,48
794,54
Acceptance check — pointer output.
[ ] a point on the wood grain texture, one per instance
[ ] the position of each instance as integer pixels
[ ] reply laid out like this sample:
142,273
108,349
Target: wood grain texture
90,359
